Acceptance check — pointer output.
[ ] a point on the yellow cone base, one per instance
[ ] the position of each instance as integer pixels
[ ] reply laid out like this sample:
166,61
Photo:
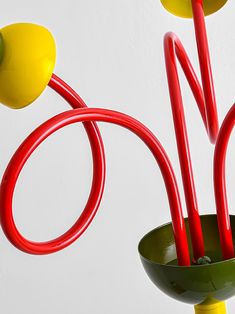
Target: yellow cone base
214,308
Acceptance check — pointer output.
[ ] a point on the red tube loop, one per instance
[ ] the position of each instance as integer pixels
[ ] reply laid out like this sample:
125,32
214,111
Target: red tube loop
46,129
223,218
205,99
98,156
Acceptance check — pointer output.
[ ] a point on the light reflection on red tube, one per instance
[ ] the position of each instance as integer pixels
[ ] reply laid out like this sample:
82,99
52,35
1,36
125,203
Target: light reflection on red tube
205,99
39,135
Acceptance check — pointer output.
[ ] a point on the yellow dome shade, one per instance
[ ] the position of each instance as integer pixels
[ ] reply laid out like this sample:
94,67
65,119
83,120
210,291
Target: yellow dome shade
27,60
1,47
183,8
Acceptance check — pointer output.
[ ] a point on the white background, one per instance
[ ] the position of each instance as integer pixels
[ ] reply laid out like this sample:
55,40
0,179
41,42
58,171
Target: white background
111,52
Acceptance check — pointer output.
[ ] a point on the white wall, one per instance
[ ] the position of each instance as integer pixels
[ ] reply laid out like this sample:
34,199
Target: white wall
111,52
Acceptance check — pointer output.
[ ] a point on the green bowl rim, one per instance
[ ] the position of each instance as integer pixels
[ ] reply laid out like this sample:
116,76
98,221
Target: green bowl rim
177,266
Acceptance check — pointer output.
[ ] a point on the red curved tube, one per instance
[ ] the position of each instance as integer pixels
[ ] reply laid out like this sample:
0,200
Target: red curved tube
205,99
97,149
223,218
46,129
96,143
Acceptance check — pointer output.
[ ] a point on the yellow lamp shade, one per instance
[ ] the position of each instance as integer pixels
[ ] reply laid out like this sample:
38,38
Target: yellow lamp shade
1,47
27,60
183,8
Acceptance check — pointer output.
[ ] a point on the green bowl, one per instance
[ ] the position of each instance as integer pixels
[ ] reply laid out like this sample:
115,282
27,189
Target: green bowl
193,284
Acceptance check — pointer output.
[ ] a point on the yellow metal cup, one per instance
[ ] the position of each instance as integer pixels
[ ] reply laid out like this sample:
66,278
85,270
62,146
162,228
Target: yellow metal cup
183,8
211,308
27,60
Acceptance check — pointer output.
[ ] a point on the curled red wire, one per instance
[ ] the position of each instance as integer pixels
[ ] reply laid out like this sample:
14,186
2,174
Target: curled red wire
205,99
39,135
97,183
224,225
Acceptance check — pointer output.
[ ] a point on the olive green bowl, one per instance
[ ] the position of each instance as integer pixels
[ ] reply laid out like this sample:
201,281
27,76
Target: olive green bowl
192,284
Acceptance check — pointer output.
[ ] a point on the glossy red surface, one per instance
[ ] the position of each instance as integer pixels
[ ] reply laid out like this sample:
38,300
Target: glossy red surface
97,183
39,135
223,218
205,99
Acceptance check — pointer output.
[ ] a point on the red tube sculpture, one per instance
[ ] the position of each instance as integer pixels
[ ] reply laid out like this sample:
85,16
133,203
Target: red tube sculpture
205,98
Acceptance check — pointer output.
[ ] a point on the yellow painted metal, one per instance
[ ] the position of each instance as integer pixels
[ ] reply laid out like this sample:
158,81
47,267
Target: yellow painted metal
183,8
211,307
27,63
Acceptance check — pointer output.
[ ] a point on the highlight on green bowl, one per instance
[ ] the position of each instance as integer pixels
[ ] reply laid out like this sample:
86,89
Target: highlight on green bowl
194,284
